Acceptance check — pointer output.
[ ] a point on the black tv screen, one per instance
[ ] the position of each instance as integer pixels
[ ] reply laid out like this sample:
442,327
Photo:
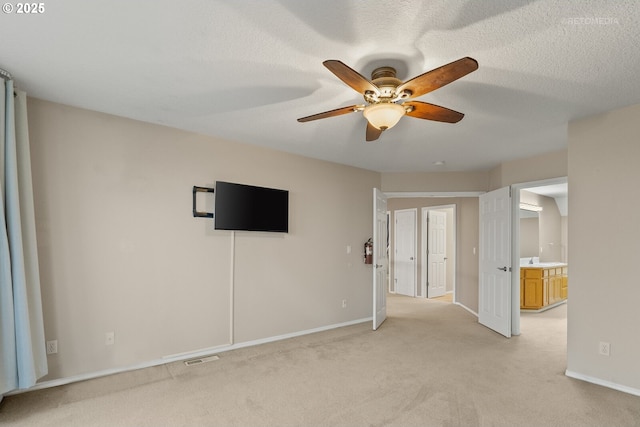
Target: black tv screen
246,207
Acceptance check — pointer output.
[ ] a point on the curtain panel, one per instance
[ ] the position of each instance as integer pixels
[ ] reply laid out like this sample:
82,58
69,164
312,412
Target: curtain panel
22,343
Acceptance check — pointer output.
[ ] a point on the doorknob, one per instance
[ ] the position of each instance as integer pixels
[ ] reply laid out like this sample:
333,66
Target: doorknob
502,268
411,258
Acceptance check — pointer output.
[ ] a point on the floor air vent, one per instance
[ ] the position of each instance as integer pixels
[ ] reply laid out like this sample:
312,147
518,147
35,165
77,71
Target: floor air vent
201,360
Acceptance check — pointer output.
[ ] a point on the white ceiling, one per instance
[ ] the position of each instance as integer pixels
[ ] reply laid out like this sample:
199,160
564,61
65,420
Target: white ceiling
245,70
554,190
559,192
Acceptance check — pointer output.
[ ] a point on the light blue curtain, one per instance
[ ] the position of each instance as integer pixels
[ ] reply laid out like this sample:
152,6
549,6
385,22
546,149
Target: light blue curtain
23,356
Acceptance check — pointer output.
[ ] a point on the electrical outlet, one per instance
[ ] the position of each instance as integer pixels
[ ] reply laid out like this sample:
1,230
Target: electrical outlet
109,338
604,348
52,347
344,303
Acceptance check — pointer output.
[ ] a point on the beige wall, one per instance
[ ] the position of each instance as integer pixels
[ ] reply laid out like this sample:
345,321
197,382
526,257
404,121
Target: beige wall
605,245
435,181
546,166
120,250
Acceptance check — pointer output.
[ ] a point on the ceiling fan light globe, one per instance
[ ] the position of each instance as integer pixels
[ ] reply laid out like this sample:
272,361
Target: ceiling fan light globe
383,116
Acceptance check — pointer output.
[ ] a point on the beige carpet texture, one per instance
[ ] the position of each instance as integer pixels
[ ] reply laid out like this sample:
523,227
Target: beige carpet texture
429,364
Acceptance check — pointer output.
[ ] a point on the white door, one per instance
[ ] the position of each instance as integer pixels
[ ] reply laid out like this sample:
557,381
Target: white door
436,253
380,257
494,296
404,264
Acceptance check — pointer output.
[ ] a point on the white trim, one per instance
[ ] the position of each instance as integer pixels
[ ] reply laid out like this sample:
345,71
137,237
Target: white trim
389,247
515,258
183,356
416,194
423,252
598,381
545,308
466,308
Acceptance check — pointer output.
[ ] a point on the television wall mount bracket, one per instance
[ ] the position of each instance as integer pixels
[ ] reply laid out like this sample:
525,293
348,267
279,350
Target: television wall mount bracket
196,213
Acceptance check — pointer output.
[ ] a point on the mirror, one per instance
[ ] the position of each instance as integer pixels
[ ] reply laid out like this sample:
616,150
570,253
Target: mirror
529,234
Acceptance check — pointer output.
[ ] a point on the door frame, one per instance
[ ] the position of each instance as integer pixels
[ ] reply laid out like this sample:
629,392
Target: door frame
515,245
415,248
424,242
380,255
389,246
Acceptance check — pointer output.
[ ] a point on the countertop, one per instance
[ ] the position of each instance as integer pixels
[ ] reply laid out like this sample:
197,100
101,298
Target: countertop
544,265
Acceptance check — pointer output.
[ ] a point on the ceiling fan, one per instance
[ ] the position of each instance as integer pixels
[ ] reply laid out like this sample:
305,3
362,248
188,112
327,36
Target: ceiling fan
386,96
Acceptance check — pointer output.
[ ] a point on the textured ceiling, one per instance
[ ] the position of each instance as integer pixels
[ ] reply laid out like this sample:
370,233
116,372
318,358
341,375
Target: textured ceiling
245,70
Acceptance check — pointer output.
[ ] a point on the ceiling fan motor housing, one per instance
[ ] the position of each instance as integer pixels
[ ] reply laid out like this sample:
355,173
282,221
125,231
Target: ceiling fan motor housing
387,82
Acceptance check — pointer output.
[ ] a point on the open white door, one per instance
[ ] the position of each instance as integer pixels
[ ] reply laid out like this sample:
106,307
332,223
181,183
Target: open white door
494,298
437,253
380,257
404,246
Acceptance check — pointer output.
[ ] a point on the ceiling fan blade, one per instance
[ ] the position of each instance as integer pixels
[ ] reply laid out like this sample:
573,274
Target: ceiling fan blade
435,79
423,110
331,113
373,133
350,76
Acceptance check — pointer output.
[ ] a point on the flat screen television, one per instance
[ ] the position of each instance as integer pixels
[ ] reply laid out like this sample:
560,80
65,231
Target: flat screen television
250,208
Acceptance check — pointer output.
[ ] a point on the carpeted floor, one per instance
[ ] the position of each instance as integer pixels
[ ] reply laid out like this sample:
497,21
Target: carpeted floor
445,298
430,364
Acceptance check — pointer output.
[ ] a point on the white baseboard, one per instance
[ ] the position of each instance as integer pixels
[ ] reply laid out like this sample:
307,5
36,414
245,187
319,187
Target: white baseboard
598,381
545,308
466,308
182,356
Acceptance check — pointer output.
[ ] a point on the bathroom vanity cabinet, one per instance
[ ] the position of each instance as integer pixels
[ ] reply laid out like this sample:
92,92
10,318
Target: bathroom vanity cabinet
542,285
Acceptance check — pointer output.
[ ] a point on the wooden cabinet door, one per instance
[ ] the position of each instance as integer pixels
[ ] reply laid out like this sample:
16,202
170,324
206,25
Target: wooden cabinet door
564,291
532,293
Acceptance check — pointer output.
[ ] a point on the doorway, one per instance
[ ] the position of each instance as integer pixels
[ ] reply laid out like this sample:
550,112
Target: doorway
547,226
